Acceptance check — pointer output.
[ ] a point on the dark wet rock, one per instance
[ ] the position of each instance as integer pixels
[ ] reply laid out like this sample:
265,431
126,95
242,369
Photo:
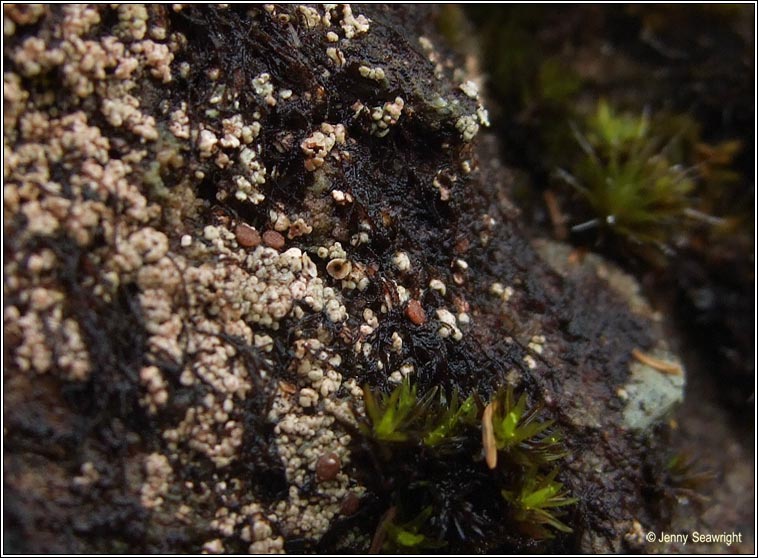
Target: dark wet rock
194,387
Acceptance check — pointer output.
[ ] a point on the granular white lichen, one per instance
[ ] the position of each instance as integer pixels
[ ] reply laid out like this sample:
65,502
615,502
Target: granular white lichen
73,355
298,228
301,440
156,387
155,56
401,261
309,16
470,89
501,291
448,325
255,173
537,344
208,430
467,126
158,474
352,25
215,546
318,146
336,56
207,143
384,116
376,74
24,14
439,286
133,21
179,124
432,55
317,366
397,342
264,88
208,297
483,116
341,198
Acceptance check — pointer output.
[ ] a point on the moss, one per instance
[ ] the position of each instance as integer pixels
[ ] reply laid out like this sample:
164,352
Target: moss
422,451
549,68
447,417
409,536
428,453
390,417
401,416
649,180
520,433
628,179
534,503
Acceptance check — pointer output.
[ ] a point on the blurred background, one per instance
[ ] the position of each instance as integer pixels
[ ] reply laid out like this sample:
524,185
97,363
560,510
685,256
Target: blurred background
629,131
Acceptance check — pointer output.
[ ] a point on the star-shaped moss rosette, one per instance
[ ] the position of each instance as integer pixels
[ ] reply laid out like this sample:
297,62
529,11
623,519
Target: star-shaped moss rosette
635,186
534,503
509,427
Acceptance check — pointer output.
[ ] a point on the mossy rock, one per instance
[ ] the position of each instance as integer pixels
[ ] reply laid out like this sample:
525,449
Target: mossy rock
179,378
